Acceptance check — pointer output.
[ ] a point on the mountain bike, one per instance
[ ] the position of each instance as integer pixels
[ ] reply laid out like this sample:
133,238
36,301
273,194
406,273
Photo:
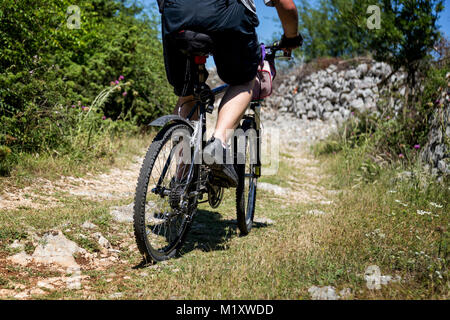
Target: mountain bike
174,178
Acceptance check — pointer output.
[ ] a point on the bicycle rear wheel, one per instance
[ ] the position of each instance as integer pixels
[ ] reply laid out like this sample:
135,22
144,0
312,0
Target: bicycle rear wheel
161,221
246,151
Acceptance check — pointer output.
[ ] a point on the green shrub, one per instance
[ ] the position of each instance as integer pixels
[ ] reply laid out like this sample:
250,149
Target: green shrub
5,155
50,76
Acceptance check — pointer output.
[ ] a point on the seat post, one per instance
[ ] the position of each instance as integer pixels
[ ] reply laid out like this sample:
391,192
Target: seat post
202,91
203,74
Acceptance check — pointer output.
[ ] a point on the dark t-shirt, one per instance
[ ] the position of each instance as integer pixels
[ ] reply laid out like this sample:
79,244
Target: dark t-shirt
250,4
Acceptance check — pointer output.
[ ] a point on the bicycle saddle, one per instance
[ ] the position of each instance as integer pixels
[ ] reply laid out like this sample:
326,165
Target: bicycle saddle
193,43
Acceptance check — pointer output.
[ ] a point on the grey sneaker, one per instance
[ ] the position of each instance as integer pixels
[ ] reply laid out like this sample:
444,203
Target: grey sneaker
215,156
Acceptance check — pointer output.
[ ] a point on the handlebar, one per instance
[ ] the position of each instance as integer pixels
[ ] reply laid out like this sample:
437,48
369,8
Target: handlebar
272,50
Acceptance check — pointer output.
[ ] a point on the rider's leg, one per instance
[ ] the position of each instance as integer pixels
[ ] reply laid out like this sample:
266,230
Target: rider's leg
184,107
232,108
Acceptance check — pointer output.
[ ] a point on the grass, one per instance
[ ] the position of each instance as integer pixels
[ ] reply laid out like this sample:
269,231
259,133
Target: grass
364,226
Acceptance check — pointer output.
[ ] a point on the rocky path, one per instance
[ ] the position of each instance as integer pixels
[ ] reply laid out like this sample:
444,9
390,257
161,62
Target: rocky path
69,264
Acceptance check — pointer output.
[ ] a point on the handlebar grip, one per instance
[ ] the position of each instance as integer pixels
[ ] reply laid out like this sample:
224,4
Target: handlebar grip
276,45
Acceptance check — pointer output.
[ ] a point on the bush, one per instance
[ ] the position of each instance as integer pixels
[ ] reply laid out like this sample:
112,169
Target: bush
50,75
5,155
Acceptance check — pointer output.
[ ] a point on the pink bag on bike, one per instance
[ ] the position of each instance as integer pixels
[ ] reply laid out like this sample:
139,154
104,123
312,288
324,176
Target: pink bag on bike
264,78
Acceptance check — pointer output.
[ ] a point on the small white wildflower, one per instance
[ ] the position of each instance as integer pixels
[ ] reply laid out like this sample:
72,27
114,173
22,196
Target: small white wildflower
403,204
392,191
439,274
422,212
436,205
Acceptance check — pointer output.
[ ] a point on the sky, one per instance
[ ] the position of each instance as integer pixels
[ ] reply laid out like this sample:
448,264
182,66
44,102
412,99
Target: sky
269,28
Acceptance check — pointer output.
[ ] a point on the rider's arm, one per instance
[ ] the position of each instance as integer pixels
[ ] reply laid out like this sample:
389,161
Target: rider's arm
287,11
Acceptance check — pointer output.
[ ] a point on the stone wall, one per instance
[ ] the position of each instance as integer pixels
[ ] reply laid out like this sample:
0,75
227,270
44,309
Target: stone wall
334,93
436,153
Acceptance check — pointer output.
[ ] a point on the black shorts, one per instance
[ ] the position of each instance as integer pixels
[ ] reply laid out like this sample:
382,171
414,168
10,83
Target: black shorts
230,25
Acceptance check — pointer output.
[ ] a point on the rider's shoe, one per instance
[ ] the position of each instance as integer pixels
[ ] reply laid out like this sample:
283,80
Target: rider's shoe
215,156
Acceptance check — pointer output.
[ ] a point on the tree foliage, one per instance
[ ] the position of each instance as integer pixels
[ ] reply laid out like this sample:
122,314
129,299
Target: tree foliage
48,71
325,33
407,34
338,28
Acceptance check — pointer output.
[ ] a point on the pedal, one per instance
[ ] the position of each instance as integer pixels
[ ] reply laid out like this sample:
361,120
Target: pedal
210,108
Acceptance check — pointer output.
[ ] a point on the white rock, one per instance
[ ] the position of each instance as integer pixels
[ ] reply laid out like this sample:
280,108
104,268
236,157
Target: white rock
6,293
327,93
37,292
316,212
345,293
367,93
351,74
21,258
336,116
73,283
102,241
88,225
362,68
123,213
331,68
273,188
263,220
326,115
323,293
17,245
116,295
311,115
345,113
22,295
357,104
55,248
46,285
328,106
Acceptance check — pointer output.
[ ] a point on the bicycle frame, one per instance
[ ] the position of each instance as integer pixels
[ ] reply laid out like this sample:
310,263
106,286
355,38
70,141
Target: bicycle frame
205,98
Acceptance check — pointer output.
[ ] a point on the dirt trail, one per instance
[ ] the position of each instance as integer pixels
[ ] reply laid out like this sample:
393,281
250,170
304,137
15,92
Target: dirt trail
116,184
296,136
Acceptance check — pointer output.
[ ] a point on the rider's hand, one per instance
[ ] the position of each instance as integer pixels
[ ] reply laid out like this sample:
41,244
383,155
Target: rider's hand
289,44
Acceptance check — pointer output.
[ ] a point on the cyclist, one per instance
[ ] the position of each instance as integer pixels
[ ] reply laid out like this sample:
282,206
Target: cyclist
231,26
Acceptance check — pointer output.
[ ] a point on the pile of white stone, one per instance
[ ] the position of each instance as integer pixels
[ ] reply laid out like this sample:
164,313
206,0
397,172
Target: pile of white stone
334,93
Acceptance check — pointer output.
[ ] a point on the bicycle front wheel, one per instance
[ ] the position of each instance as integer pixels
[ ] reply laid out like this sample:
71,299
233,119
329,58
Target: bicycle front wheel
161,220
